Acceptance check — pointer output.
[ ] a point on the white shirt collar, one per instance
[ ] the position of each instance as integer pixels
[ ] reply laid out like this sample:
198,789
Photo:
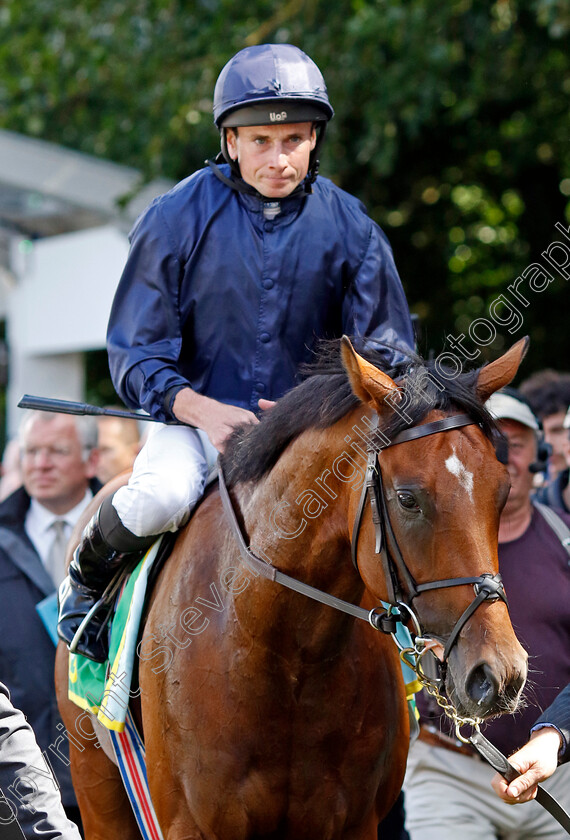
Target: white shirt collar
39,521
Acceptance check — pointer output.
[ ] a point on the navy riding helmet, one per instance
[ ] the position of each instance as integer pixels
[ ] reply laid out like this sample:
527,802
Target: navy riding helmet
272,84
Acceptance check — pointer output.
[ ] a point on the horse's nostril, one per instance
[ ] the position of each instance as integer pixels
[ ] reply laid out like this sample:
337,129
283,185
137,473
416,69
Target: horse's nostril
482,687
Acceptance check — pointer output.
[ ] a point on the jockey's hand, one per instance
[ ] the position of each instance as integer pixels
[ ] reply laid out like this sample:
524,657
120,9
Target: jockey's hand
217,419
536,761
265,405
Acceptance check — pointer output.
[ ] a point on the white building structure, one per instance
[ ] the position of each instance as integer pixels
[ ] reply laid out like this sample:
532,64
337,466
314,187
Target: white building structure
64,219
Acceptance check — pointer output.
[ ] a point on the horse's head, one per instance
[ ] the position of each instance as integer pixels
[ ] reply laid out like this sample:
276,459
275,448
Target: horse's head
436,492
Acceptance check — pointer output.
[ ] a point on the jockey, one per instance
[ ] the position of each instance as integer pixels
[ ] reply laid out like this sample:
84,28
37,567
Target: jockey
232,278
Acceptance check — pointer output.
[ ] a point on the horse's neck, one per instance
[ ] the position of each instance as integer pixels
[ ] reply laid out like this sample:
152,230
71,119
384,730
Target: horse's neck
298,515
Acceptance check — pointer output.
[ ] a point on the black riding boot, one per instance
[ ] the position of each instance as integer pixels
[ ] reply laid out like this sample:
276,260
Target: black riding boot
106,545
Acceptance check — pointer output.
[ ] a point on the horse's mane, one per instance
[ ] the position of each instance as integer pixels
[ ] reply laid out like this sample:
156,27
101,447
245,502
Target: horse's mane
325,397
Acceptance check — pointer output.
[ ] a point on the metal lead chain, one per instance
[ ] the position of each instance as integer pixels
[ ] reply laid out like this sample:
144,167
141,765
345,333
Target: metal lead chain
412,657
447,707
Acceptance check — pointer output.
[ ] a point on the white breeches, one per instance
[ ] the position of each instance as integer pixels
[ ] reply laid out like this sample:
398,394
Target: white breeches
167,480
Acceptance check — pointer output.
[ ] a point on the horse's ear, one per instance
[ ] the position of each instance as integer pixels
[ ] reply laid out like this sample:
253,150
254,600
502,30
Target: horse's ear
368,383
499,373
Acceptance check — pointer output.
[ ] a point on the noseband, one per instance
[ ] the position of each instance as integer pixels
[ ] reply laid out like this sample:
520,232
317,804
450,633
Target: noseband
402,588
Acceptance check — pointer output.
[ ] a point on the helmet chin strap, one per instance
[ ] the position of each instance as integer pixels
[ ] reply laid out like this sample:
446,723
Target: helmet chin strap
234,165
311,175
235,182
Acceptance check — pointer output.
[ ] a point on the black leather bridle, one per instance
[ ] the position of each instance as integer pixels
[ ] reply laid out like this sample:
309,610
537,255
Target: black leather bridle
487,587
402,588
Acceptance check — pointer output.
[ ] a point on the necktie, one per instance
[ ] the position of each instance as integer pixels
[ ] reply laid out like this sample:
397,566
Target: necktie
55,563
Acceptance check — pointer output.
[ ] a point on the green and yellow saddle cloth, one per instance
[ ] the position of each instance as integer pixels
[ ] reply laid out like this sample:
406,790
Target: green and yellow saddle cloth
104,688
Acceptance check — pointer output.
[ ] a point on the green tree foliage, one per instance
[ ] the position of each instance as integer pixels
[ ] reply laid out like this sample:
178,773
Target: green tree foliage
452,121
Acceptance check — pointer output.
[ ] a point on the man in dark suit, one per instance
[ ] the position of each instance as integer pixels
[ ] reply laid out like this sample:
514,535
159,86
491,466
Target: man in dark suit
59,460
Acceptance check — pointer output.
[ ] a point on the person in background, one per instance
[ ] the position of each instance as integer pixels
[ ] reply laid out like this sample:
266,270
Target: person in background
11,472
548,746
29,793
58,460
548,394
118,444
448,786
556,494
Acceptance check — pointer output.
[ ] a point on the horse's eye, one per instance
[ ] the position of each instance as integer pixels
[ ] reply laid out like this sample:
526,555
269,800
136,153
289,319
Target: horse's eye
407,500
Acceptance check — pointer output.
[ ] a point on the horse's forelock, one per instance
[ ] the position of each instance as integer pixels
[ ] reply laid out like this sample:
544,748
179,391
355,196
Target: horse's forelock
426,389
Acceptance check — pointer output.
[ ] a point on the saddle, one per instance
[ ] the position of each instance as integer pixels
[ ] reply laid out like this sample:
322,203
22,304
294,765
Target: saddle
106,688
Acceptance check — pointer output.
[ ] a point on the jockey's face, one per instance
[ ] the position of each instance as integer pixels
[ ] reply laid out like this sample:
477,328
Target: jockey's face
55,469
273,159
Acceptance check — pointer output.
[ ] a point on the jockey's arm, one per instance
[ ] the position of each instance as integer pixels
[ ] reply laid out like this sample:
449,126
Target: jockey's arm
217,419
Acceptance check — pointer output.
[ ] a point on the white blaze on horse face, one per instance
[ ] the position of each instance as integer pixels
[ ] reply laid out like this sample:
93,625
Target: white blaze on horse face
465,478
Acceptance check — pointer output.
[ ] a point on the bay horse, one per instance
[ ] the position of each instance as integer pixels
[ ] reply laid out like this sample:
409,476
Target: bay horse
268,714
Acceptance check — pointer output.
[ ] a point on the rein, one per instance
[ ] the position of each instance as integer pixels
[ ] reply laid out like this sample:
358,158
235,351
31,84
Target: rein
266,570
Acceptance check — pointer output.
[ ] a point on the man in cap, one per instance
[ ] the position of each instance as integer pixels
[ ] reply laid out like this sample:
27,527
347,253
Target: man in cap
232,278
448,787
549,743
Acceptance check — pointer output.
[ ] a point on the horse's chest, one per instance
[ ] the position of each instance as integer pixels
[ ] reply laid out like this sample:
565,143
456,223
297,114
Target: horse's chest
298,758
